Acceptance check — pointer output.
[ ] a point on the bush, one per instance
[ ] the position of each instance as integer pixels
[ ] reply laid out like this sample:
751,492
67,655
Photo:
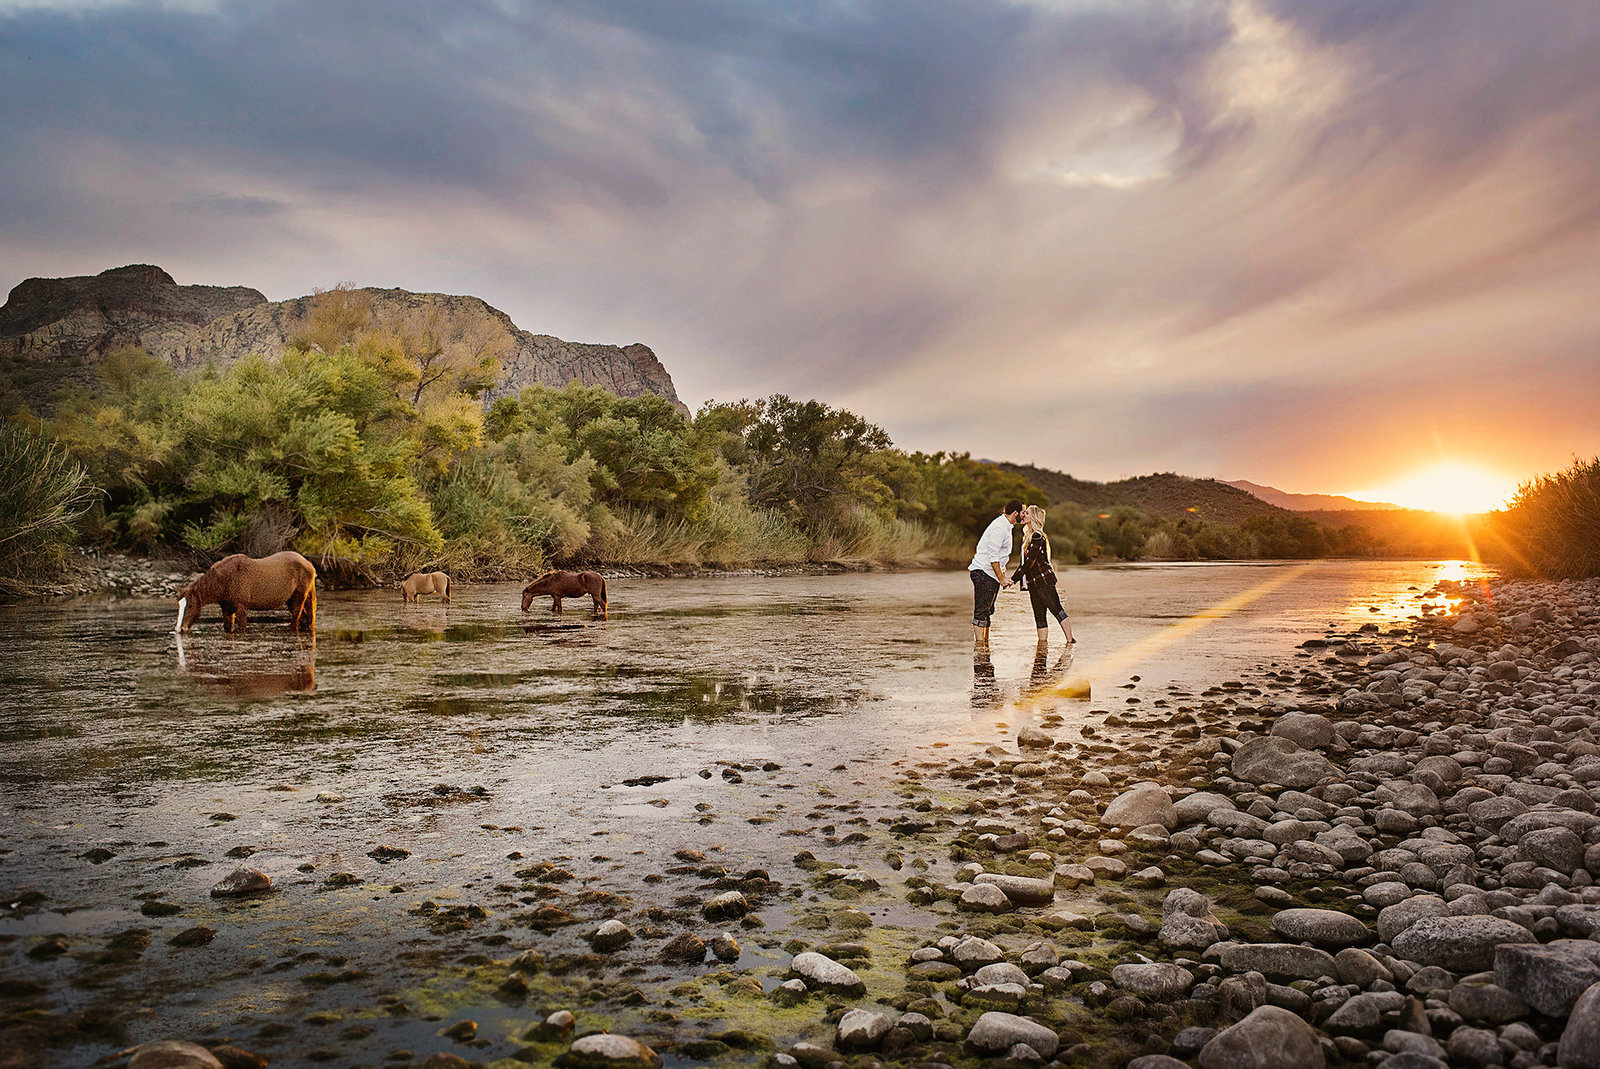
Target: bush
1551,529
42,493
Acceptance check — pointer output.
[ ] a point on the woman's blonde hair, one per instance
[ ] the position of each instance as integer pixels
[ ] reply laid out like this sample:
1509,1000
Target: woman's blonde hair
1033,517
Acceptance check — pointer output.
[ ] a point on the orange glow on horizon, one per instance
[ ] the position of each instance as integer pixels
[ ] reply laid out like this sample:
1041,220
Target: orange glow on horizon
1449,486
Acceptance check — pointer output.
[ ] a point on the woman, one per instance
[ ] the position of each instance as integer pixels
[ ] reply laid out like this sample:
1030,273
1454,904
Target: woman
1039,577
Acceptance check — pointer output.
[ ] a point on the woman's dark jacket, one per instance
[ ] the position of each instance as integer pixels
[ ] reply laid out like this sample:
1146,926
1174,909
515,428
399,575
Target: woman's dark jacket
1035,565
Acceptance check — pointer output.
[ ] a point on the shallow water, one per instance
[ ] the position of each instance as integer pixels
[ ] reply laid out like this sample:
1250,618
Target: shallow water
467,732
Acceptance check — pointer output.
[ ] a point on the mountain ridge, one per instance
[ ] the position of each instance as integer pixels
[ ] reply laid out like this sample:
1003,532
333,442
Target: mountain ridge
1164,493
63,326
1295,502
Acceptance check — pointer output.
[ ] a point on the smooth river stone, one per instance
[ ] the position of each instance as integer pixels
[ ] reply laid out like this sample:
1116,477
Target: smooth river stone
1279,961
1023,890
242,881
997,1032
607,1051
820,971
1157,980
1461,944
1326,928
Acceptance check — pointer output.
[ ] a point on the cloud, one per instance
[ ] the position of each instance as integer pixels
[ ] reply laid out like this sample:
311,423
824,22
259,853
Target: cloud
1177,236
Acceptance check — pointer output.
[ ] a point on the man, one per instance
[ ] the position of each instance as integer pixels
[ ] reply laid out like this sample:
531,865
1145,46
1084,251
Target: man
988,569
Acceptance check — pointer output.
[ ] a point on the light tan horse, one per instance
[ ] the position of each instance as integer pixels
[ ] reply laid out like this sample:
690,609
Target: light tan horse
425,583
239,583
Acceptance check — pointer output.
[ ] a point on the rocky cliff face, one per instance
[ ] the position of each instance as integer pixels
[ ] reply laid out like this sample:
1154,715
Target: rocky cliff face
83,318
75,320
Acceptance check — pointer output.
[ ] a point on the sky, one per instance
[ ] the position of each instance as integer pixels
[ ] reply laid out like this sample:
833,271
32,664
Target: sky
1315,245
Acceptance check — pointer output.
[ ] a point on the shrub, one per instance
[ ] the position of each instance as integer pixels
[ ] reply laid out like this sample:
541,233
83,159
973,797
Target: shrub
42,493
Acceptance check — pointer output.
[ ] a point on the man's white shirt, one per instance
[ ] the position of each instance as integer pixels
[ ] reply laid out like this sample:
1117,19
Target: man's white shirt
995,545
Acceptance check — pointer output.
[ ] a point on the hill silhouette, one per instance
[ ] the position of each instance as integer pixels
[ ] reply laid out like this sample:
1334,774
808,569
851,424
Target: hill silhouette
1162,494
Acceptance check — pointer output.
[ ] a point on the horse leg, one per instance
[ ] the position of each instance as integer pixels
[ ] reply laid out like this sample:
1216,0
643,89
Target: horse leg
555,603
228,610
240,618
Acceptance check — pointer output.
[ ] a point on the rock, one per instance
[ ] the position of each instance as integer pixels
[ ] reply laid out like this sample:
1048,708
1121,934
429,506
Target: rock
1187,920
974,953
1279,961
1557,848
1157,1061
1307,730
1580,1041
1321,927
1461,944
1157,980
996,1033
1392,920
1001,972
1021,890
1269,1038
242,881
1361,1015
823,972
1196,807
1486,1003
1360,968
984,898
1474,1047
1549,978
1274,759
725,947
789,993
1034,738
607,1051
193,937
729,905
1145,803
234,1058
686,948
862,1030
172,1054
612,935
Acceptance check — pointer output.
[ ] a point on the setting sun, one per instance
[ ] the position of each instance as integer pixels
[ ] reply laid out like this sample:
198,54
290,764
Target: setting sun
1447,487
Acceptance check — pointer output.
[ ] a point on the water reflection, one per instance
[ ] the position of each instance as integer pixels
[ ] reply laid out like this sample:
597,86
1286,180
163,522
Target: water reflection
985,692
1046,674
250,668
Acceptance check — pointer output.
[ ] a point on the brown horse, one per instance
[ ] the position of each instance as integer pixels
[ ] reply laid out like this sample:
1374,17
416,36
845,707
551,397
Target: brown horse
425,583
567,585
239,583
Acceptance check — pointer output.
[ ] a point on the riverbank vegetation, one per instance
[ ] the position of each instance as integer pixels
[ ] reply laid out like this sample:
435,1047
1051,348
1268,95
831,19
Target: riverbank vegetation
1551,529
372,451
43,492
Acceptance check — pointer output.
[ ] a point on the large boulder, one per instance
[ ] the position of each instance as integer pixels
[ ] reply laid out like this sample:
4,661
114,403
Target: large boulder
1270,1038
1580,1042
1157,980
996,1033
606,1051
862,1030
1308,730
1274,759
818,970
1281,962
1460,944
1145,803
1194,808
1326,928
1549,978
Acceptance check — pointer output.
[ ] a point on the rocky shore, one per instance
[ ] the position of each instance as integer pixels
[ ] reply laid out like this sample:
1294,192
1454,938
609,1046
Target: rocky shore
1386,852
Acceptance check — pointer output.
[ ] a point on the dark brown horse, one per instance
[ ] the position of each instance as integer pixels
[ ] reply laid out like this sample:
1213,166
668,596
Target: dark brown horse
567,585
240,583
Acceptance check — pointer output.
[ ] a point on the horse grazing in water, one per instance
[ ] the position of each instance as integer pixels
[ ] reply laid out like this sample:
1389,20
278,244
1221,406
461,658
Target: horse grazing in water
425,583
240,583
567,585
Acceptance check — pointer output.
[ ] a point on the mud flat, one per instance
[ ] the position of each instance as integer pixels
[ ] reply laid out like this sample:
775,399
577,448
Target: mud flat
1380,849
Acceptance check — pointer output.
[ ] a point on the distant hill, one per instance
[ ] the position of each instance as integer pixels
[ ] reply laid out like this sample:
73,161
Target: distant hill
1165,494
1307,502
53,331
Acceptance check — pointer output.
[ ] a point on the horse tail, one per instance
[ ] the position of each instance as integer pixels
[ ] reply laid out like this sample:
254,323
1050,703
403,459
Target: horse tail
447,582
604,599
308,608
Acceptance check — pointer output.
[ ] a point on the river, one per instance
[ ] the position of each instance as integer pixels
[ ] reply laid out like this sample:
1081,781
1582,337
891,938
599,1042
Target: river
721,715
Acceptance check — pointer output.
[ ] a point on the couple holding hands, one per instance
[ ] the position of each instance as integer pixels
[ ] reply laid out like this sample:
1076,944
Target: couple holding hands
988,569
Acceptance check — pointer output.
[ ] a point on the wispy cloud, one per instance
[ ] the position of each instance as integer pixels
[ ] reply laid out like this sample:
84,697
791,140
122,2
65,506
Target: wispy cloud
1252,237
